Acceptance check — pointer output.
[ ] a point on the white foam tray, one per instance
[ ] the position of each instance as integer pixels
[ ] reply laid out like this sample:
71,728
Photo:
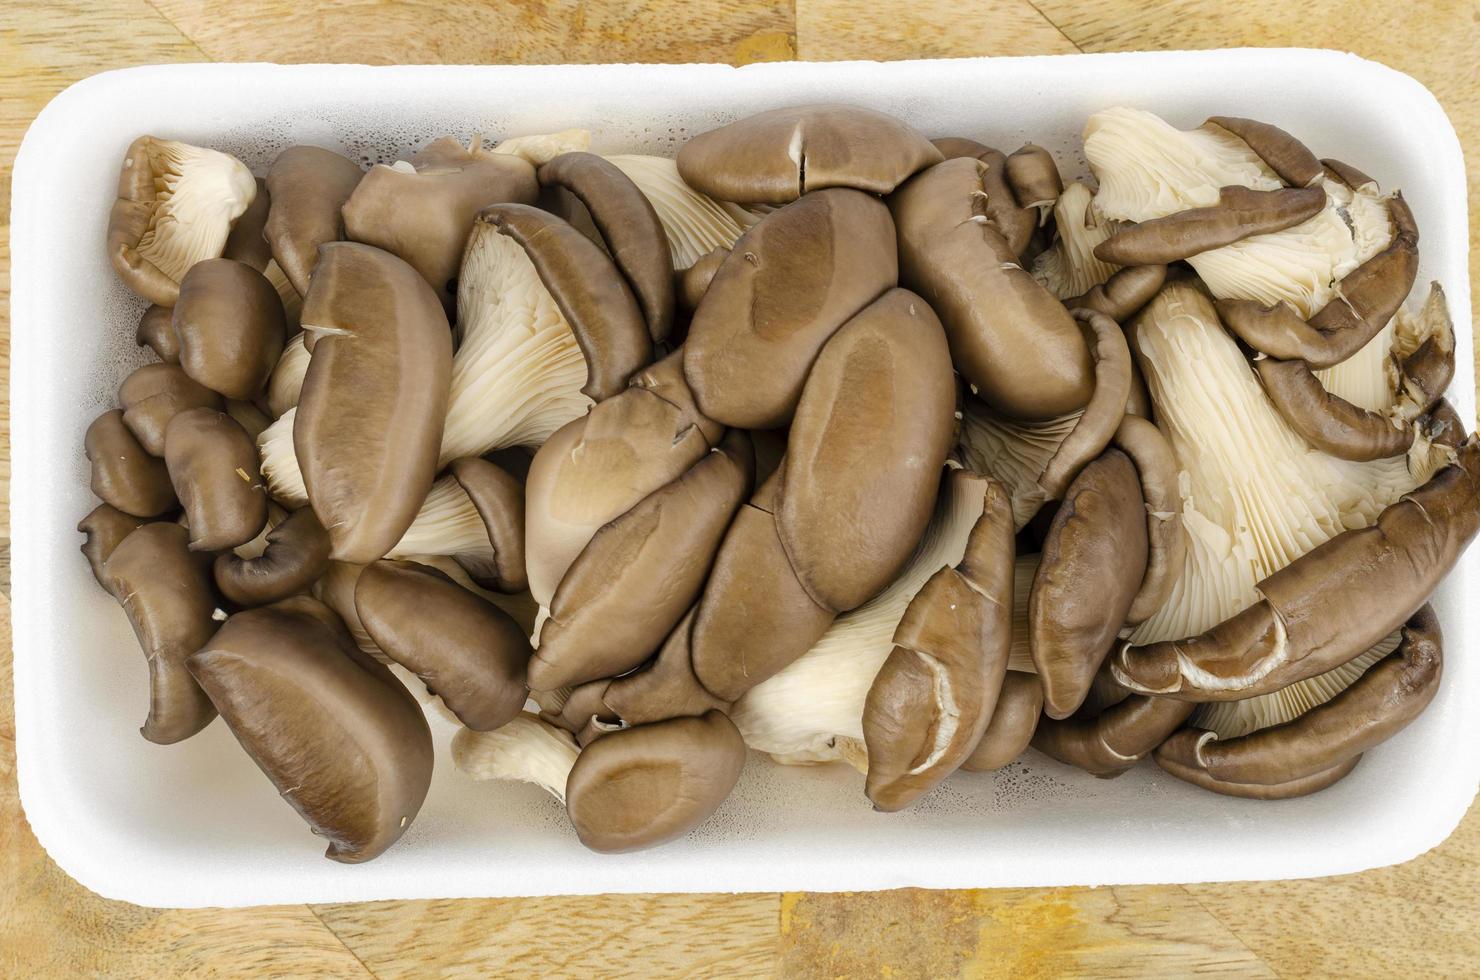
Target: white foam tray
196,824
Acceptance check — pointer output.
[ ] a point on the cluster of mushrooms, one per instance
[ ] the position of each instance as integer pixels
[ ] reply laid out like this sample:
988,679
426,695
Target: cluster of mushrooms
824,440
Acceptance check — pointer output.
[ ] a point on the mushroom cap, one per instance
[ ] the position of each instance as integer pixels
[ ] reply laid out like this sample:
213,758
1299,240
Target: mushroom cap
1014,719
1281,152
499,499
247,242
788,284
1106,407
1122,295
693,282
105,526
213,466
1094,560
422,213
1240,213
628,225
229,321
776,157
1115,739
308,186
952,147
590,291
666,688
694,223
297,554
341,739
156,331
1034,178
1010,337
1166,544
466,650
166,592
1327,421
871,434
633,581
175,207
154,394
370,416
654,783
123,472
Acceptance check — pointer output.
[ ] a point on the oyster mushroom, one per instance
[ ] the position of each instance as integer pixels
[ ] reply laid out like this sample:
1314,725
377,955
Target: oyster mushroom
1240,213
1034,178
541,148
1014,719
124,475
693,282
307,186
213,467
106,527
229,321
527,750
694,223
1070,267
666,688
1116,739
339,737
466,650
285,383
166,592
176,205
156,331
789,283
154,394
296,554
369,419
422,211
246,243
998,199
778,156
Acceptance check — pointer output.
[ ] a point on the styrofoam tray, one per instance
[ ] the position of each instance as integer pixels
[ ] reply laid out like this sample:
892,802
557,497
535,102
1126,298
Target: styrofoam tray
196,824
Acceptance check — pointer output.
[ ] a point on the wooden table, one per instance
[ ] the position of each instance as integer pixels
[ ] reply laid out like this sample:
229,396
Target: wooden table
1418,919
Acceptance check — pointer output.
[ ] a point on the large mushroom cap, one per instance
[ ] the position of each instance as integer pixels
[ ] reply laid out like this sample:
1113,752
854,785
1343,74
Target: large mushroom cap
124,474
341,739
213,466
777,156
654,783
789,283
297,554
230,324
156,393
308,186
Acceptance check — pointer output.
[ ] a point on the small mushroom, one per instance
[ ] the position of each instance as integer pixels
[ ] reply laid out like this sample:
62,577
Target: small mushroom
871,433
998,198
693,282
308,186
156,331
369,419
106,527
1304,755
931,702
1240,213
778,156
422,211
166,592
297,554
156,393
1034,178
341,739
467,651
176,204
123,473
787,285
213,467
499,500
229,321
651,784
1113,741
246,243
1122,295
666,688
1422,356
1014,719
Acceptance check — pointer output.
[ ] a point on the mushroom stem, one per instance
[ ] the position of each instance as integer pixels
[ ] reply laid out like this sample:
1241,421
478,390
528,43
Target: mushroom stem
526,749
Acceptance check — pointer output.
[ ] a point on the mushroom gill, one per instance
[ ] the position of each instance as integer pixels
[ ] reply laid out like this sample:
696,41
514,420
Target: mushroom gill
695,223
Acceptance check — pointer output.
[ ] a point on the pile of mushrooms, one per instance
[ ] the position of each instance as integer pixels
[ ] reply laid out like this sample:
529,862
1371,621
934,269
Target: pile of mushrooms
825,439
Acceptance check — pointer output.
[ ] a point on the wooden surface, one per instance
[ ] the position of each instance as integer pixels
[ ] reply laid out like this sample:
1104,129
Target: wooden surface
1414,920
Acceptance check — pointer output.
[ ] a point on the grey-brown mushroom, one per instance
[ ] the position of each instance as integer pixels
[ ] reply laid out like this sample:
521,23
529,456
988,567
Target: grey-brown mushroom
499,499
1116,739
124,474
297,554
230,325
1166,545
369,419
213,466
1283,153
466,650
1240,213
339,737
999,201
1122,295
156,331
156,393
1014,720
166,592
666,688
1326,420
1034,178
247,243
308,186
692,283
778,156
105,526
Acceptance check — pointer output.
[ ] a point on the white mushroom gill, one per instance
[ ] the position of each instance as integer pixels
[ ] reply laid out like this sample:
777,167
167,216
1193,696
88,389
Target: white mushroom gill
1014,453
695,223
199,193
1068,268
812,710
526,750
286,380
540,148
1255,496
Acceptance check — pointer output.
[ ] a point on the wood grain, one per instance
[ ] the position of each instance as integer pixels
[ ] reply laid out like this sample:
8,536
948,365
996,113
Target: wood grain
1416,919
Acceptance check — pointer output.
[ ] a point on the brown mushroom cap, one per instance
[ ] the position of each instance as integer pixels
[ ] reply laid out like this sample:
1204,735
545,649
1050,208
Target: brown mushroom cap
1114,740
1122,295
499,499
106,527
932,700
374,400
654,783
666,688
1326,420
592,294
156,331
344,743
1240,213
466,650
213,467
778,156
692,283
297,554
154,394
1009,336
1034,178
1104,410
952,147
1094,560
1327,606
1425,373
1014,719
166,592
308,186
1285,760
123,473
871,434
1157,469
1283,153
231,328
1445,427
630,227
632,583
423,213
787,285
247,243
583,713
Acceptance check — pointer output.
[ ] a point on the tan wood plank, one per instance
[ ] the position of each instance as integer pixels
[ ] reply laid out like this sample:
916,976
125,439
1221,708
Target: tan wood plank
834,30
